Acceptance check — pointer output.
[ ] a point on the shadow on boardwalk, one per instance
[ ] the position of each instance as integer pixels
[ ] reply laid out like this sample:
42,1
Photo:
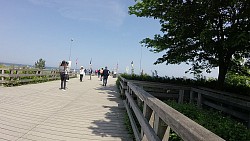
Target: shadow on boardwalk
114,124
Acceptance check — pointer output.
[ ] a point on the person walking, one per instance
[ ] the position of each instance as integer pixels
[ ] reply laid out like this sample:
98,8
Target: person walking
67,70
105,76
98,73
101,73
82,73
62,70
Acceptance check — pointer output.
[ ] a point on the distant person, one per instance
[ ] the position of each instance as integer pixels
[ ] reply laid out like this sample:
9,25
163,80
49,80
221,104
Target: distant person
105,76
62,70
98,73
67,70
90,73
101,73
82,73
85,71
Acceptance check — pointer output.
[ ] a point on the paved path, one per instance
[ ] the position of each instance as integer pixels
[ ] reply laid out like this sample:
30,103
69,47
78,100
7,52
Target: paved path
86,111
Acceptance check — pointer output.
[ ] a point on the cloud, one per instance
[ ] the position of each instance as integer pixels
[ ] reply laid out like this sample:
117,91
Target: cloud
105,11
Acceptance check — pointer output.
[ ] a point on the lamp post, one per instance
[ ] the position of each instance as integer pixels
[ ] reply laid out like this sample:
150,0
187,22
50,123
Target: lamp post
132,67
71,40
140,60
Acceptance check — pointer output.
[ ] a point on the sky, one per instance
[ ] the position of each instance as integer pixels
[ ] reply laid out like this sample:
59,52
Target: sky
81,31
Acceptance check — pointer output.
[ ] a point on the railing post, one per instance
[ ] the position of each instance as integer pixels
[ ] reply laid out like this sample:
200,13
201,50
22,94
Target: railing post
147,113
161,129
2,77
248,126
11,72
123,87
199,102
17,72
191,96
181,96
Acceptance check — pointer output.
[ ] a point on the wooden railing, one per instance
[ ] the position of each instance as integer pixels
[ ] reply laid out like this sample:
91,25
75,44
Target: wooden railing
232,104
156,118
9,76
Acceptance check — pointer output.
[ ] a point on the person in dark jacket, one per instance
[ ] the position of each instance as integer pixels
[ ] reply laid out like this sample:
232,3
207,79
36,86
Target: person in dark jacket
62,70
105,76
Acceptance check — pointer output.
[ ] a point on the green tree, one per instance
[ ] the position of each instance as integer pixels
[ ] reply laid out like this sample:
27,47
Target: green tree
40,64
203,33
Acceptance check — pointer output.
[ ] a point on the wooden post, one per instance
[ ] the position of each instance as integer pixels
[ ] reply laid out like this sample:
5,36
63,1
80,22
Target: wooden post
17,72
11,72
181,96
161,129
147,113
248,126
199,103
191,96
139,102
2,77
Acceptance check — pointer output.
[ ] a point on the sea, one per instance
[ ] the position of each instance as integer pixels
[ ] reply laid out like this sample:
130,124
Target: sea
23,65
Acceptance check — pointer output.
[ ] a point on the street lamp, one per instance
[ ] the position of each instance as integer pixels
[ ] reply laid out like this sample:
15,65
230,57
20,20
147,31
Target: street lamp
140,60
71,40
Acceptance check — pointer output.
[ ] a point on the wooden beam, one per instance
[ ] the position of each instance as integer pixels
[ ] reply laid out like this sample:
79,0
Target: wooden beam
147,129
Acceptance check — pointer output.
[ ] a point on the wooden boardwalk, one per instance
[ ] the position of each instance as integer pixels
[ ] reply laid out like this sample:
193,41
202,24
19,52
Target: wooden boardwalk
86,111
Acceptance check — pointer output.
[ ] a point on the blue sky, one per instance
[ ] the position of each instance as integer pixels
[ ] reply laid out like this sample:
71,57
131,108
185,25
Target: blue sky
101,30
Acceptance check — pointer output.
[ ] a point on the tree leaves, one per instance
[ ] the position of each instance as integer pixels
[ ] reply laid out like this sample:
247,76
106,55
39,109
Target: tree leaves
40,64
205,33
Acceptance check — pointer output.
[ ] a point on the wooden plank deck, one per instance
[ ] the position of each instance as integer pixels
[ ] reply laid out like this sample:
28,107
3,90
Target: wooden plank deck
86,111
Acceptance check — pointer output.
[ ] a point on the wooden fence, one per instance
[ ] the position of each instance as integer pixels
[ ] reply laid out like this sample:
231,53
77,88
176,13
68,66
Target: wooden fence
11,76
156,118
235,105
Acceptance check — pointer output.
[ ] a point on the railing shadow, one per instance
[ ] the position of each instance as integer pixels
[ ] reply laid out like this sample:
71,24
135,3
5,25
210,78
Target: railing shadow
113,123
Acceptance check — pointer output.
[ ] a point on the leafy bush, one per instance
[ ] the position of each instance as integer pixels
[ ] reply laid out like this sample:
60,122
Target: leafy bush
210,83
225,127
238,83
129,127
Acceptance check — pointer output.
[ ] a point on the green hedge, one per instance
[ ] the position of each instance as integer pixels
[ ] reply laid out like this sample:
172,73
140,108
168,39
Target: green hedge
223,126
242,88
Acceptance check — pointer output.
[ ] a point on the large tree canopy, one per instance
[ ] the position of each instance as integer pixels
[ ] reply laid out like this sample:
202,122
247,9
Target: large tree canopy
203,33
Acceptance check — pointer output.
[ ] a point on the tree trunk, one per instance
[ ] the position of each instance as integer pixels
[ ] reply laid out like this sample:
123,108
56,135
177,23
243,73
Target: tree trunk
222,75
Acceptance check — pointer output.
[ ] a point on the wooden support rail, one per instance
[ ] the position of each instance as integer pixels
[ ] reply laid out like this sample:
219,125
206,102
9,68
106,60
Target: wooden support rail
232,104
157,118
9,76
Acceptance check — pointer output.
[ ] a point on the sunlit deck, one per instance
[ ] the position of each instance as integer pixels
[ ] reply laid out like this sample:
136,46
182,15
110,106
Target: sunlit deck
85,111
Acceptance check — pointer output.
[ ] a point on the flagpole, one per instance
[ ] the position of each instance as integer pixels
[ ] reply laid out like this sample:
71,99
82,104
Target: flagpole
76,63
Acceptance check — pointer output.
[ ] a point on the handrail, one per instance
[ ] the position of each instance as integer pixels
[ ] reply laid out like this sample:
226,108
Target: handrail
157,118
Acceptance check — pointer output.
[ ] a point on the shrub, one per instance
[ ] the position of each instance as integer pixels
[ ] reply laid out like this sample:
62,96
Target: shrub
210,83
224,126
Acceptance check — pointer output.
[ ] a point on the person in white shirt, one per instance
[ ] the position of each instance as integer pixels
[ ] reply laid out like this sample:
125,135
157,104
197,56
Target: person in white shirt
82,73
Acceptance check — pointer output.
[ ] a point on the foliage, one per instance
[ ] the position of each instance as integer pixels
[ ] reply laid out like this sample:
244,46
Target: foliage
40,64
203,33
2,66
30,80
237,80
128,126
118,84
210,83
225,127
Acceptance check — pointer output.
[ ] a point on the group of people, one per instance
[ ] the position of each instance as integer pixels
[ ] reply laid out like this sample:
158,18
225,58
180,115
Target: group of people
104,73
64,71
